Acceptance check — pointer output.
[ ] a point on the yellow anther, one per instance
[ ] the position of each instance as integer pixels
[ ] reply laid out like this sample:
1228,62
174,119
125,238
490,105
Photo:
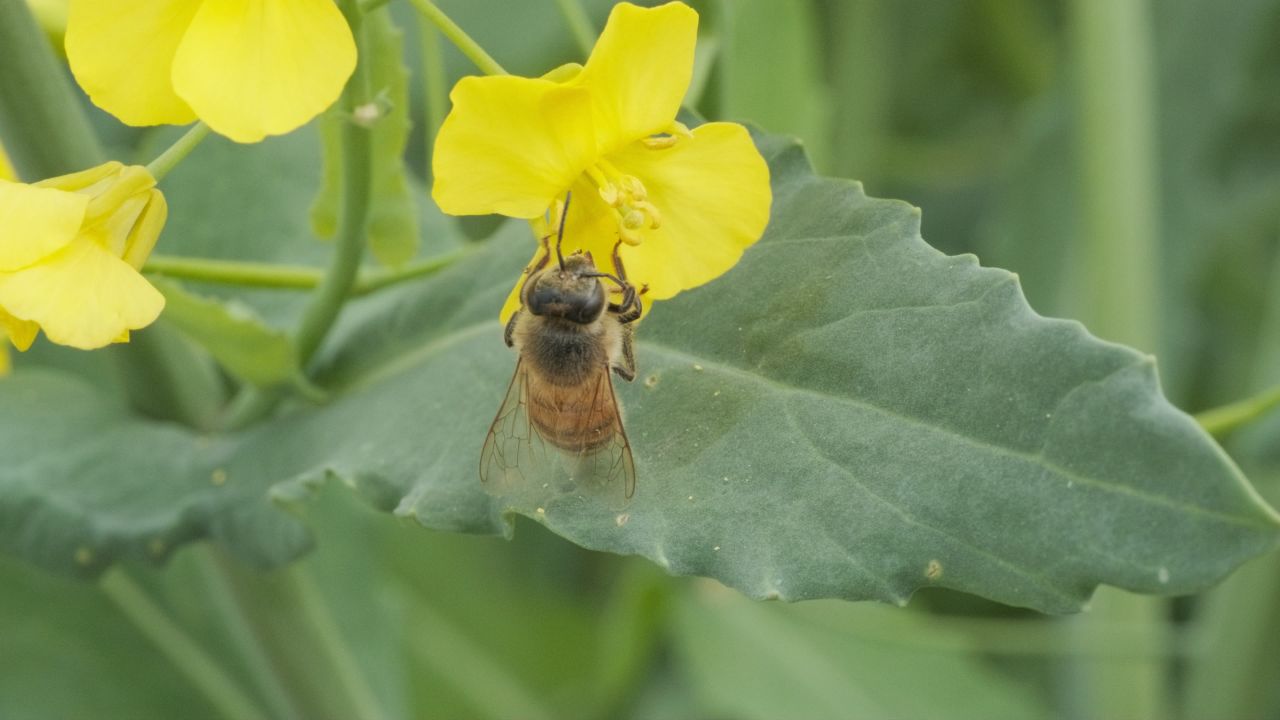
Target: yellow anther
660,142
655,217
634,220
610,194
628,197
633,187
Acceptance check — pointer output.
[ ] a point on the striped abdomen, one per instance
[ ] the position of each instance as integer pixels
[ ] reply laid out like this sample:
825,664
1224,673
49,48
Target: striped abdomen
575,418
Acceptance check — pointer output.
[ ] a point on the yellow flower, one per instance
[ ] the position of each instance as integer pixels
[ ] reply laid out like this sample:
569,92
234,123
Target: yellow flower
248,68
6,173
70,251
686,204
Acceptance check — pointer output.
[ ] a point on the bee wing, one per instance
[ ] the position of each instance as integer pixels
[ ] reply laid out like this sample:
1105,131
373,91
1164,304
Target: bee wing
518,462
513,450
611,464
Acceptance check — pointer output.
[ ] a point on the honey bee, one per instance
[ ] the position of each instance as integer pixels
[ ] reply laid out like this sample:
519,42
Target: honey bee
560,426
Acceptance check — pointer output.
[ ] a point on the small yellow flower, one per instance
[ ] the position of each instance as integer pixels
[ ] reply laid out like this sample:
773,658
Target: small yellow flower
6,173
685,203
248,68
70,251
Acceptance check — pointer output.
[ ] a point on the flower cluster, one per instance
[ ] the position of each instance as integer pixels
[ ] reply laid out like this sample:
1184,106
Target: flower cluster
71,247
70,251
684,204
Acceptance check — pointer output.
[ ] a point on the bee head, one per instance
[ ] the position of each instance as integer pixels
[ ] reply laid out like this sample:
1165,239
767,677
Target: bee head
571,292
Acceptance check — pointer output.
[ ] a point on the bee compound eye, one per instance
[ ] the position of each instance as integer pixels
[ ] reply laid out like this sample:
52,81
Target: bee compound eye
589,305
543,299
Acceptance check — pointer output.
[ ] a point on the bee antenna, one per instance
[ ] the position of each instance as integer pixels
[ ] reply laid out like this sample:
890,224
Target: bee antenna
564,213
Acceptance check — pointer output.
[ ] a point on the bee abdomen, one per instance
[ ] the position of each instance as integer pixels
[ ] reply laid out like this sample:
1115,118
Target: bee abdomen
573,422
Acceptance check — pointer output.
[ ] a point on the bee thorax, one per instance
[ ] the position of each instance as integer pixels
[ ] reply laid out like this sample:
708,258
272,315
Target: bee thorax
561,352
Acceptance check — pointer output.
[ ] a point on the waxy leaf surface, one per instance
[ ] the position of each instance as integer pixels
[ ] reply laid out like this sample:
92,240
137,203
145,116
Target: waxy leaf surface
848,413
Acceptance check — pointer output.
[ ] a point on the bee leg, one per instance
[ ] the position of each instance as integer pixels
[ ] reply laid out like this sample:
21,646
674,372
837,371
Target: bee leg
617,263
627,367
546,256
630,308
508,333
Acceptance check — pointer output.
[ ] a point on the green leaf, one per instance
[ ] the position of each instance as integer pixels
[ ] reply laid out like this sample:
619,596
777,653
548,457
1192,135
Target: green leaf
393,220
848,413
233,334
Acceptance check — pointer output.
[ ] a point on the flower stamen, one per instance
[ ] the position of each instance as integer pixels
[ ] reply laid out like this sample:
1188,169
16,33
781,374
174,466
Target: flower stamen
628,197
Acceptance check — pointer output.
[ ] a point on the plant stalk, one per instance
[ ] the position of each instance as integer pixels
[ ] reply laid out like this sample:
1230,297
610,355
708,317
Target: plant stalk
170,158
1220,421
349,675
235,622
579,24
458,37
187,656
1119,264
291,277
357,145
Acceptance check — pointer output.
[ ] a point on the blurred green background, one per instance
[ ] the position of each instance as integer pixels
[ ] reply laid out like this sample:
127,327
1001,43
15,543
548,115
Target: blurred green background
1123,157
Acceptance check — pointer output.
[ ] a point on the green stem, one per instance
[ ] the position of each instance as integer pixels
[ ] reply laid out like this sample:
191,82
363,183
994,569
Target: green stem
379,280
187,656
170,158
458,37
435,82
355,686
235,272
336,285
861,59
1115,117
442,648
1222,420
291,277
334,289
1120,259
235,623
579,24
44,127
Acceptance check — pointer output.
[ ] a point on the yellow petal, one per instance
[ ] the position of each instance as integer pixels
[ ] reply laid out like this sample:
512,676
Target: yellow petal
82,296
121,52
91,181
639,71
252,68
713,193
20,332
513,298
510,146
36,222
6,169
146,230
